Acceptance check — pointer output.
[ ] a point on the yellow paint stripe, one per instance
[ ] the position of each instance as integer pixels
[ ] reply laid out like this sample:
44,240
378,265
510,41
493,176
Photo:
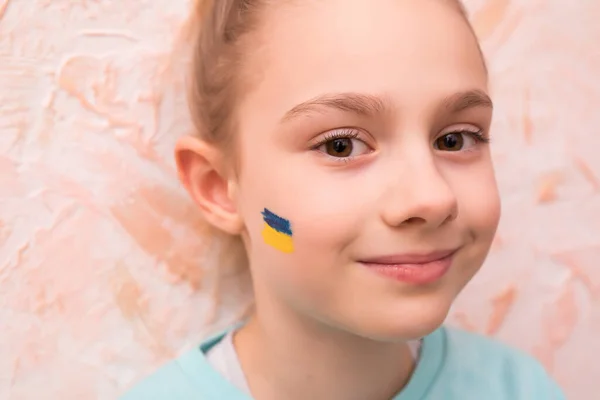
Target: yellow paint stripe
278,240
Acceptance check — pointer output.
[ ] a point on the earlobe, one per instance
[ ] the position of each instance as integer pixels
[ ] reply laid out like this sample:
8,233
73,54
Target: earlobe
200,169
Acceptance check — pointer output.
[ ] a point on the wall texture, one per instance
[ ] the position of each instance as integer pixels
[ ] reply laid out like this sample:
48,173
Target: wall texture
100,250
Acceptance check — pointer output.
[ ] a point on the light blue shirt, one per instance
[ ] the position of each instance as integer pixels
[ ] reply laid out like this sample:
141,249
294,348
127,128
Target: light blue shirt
453,365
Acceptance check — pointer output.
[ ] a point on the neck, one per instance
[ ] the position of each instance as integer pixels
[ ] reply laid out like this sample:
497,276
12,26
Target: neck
296,359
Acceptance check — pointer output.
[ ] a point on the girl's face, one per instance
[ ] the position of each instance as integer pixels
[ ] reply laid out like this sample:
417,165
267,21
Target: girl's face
366,129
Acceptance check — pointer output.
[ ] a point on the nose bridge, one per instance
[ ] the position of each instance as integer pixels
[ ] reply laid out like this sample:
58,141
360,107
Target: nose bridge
419,192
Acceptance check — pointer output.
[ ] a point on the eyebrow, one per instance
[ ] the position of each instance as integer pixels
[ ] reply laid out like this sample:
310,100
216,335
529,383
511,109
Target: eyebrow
369,105
357,103
468,99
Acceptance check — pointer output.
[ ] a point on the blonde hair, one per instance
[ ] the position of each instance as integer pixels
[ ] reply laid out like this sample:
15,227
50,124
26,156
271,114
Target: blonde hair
218,55
218,58
221,29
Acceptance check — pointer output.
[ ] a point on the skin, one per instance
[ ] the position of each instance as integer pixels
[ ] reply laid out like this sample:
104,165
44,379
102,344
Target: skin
325,326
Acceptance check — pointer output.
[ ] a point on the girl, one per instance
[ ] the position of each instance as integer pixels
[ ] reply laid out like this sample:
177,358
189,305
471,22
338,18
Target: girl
345,143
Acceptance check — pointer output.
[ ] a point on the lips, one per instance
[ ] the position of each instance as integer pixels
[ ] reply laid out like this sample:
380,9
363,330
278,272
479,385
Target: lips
398,259
417,269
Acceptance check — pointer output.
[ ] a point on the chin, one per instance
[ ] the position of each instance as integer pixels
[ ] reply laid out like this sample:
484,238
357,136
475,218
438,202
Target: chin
410,319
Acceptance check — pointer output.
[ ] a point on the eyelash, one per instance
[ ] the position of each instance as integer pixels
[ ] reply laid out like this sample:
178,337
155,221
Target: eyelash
477,135
346,133
343,133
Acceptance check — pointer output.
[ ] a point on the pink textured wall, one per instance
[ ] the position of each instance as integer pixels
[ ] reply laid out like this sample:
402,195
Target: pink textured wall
99,247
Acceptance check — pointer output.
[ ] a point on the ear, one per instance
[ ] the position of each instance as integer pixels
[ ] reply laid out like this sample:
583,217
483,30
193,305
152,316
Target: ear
200,168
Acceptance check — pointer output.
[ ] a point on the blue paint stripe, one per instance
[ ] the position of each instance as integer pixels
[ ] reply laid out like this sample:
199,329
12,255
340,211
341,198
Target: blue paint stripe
276,222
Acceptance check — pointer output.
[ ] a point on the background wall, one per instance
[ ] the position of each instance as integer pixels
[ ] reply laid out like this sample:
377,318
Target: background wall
99,248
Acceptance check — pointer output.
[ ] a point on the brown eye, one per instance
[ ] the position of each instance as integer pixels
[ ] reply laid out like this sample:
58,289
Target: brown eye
341,147
450,142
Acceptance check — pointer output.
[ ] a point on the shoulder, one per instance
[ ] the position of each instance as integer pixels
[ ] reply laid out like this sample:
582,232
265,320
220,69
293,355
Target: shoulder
489,366
190,376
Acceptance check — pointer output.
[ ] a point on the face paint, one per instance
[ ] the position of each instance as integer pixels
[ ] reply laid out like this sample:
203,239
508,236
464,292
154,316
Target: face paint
277,232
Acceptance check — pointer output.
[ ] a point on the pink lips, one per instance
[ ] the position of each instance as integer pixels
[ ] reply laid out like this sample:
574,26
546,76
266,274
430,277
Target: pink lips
417,269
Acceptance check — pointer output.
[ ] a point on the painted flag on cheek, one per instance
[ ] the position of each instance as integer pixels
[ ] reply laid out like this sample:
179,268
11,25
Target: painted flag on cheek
277,232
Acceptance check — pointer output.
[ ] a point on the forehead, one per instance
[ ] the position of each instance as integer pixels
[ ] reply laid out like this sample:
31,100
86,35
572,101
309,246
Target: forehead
410,50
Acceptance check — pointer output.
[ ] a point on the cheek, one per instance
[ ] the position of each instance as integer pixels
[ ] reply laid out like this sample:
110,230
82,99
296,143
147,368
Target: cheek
479,202
327,222
324,213
318,210
324,220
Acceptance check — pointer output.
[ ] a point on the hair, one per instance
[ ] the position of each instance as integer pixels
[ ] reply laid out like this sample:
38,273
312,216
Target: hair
218,60
221,30
218,57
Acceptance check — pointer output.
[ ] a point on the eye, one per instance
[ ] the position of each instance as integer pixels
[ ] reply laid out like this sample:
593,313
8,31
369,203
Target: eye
343,145
459,140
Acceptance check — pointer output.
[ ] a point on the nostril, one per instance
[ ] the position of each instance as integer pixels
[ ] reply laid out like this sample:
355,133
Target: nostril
414,221
450,218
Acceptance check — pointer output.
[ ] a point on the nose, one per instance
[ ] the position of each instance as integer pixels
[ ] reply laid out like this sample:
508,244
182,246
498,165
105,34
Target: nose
420,196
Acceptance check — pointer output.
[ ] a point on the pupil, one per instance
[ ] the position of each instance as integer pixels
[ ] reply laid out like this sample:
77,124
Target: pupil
450,141
340,145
